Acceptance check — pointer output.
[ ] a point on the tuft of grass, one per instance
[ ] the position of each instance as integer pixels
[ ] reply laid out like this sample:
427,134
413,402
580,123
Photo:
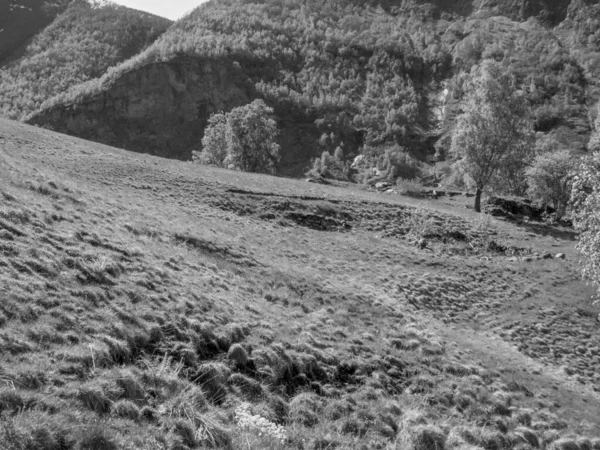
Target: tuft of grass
421,437
211,377
304,409
97,437
126,409
99,394
248,387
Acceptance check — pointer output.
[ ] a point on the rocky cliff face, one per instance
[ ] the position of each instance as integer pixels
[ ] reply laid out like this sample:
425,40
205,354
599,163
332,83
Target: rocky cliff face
163,108
160,109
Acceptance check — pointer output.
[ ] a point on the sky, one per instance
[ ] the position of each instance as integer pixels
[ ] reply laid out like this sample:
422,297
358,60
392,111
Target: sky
171,9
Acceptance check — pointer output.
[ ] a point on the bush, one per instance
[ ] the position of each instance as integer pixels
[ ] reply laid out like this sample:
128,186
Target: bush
594,144
214,142
399,164
585,201
242,139
550,180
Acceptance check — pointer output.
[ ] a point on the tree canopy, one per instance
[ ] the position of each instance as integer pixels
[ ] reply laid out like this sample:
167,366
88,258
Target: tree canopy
550,179
585,202
242,139
494,133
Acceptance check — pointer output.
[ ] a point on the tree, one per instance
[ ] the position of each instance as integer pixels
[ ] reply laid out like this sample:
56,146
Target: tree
495,130
214,142
242,139
585,202
550,179
594,144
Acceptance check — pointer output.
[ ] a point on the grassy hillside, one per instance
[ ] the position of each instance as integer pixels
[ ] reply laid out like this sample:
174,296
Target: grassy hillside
79,45
365,77
159,304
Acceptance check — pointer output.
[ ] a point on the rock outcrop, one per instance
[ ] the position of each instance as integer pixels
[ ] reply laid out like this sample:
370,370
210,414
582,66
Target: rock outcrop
163,108
160,108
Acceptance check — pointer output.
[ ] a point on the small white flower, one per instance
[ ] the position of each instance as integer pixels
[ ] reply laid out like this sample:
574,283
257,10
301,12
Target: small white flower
260,425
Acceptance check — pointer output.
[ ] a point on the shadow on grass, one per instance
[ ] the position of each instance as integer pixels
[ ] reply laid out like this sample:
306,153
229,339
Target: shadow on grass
544,229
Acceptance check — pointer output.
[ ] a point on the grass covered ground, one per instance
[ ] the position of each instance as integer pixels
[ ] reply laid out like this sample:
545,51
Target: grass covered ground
154,304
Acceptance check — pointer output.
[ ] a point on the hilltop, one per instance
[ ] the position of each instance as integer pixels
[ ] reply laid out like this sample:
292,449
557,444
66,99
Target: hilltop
362,76
151,303
21,20
70,42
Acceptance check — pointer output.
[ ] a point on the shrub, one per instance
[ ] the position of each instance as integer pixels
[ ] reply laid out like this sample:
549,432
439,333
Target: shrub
550,180
594,143
585,201
399,164
214,142
242,139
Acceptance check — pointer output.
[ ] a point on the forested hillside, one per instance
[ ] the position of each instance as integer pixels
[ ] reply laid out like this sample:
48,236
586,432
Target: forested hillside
79,45
378,78
22,19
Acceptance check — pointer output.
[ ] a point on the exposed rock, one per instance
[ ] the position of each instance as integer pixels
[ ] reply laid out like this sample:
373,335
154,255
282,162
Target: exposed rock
515,207
383,185
160,108
317,222
318,180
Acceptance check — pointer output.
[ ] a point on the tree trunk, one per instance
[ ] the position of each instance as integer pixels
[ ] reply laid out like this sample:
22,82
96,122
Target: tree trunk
478,200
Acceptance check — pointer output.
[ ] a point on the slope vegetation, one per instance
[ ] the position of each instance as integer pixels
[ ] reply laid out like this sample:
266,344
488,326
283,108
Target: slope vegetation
368,78
79,45
159,304
23,19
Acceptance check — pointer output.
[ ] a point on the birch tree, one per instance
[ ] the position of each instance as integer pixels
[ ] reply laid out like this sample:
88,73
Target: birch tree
494,132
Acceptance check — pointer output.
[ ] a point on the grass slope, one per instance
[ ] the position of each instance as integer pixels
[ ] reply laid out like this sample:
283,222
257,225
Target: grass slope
152,304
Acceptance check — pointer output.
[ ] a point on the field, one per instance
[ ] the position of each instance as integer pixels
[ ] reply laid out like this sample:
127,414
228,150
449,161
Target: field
153,304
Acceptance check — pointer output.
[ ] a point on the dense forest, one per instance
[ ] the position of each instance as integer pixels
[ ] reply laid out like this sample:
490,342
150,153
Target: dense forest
22,19
81,44
378,76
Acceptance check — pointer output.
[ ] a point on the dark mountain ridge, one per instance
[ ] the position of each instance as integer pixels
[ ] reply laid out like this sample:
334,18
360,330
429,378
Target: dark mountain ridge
365,78
80,44
23,19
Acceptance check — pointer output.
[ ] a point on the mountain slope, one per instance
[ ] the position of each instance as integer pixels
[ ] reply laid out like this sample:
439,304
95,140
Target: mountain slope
23,19
145,301
363,77
80,44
